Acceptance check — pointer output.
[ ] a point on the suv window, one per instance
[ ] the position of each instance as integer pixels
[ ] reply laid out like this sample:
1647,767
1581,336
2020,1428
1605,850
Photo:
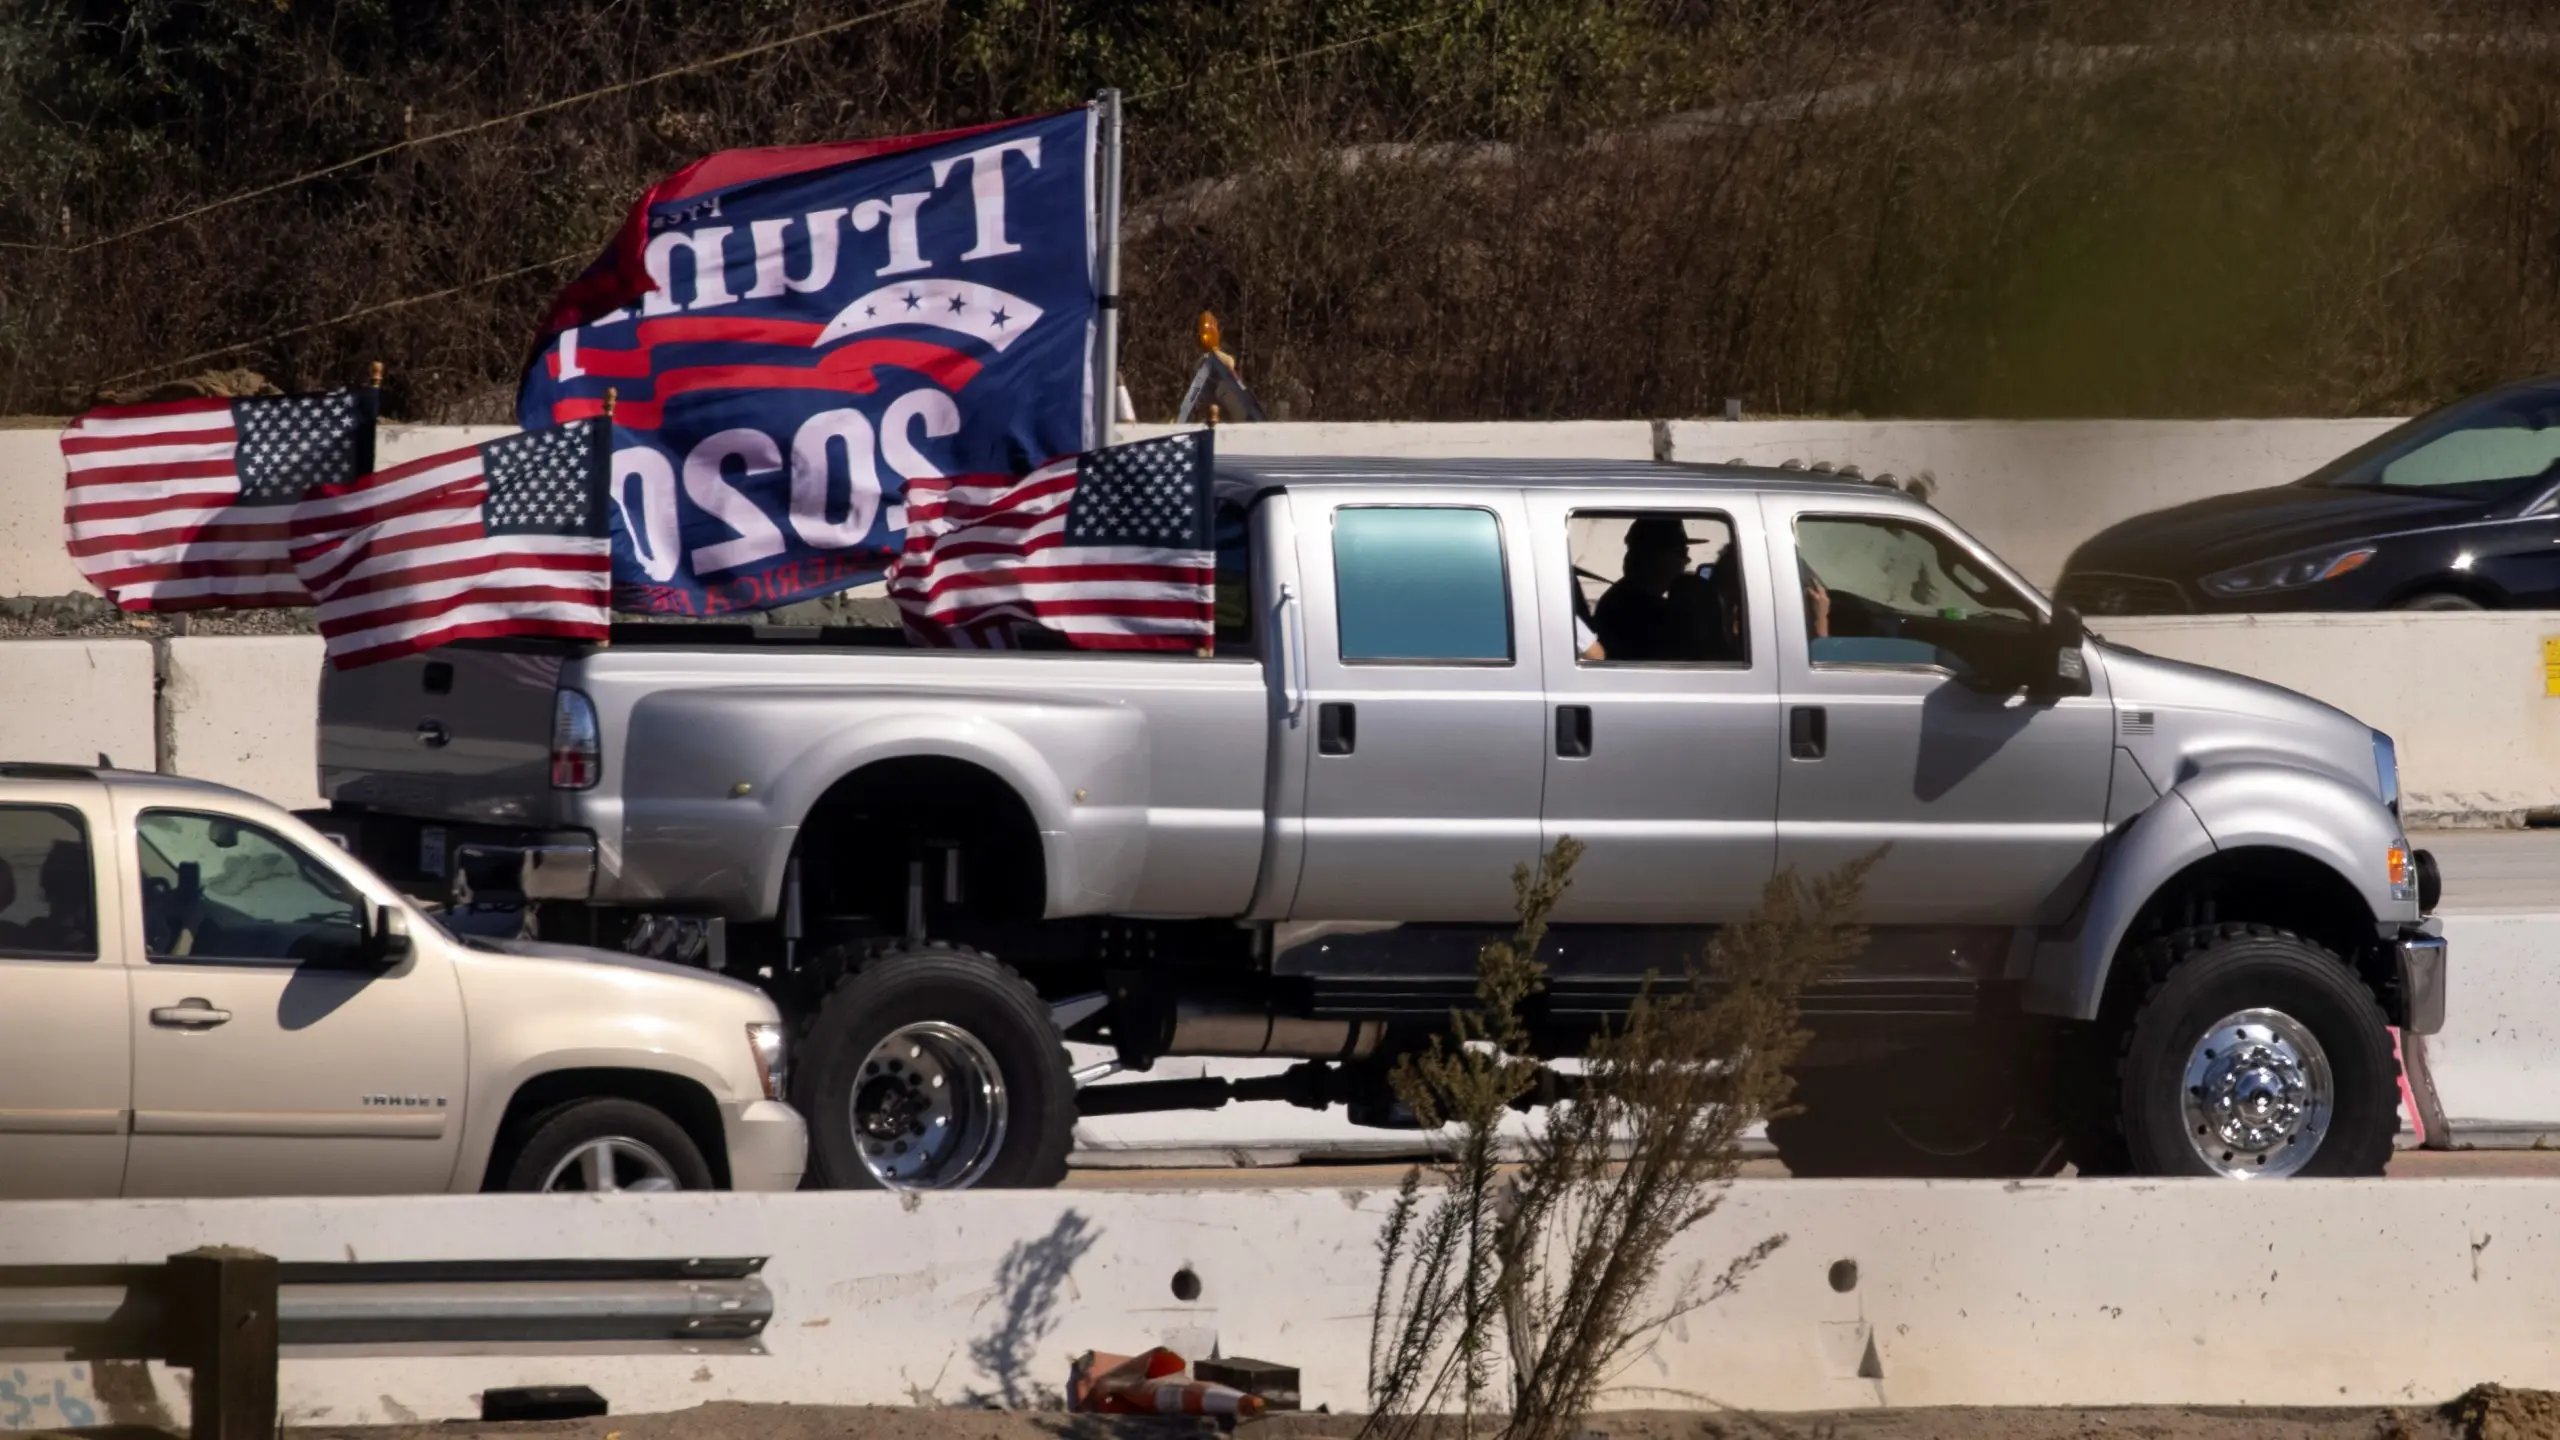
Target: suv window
1656,587
219,888
48,894
1889,592
1421,584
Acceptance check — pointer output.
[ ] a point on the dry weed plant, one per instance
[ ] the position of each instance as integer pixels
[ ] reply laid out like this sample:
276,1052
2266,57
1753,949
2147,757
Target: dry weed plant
1514,1297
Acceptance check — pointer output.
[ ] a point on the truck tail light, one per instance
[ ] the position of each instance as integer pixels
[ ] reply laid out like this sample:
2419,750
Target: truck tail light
577,746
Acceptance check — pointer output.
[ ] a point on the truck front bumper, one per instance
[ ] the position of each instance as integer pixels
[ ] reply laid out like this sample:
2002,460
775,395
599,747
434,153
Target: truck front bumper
2420,952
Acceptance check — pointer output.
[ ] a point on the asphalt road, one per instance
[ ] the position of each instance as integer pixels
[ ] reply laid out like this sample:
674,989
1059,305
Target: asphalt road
2408,1165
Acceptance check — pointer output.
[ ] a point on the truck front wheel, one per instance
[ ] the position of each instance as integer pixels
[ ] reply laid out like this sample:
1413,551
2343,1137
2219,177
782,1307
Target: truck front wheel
2255,1054
932,1067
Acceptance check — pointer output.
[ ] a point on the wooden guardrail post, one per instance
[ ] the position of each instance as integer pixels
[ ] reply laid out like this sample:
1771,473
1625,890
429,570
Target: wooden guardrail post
222,1327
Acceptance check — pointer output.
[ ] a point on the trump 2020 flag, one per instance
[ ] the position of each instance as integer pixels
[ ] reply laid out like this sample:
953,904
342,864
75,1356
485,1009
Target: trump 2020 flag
188,504
1109,550
504,538
792,337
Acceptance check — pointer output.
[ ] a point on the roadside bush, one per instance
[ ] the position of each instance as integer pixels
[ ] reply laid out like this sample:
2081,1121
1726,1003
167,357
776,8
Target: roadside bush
1515,1296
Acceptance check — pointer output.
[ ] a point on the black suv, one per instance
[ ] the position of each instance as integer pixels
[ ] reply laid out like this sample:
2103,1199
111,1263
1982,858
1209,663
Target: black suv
2455,510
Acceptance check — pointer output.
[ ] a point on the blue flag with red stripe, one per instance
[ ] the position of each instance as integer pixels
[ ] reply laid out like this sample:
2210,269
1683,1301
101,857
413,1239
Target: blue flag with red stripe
791,336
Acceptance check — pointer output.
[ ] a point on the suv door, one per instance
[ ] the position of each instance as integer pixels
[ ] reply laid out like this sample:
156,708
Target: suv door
1421,710
268,1059
1994,805
1662,699
66,1072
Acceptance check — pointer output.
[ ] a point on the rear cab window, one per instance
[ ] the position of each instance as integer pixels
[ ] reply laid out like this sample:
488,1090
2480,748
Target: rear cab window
1657,587
1421,585
48,885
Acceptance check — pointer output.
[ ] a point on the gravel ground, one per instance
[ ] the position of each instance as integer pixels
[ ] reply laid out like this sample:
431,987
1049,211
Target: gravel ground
2486,1414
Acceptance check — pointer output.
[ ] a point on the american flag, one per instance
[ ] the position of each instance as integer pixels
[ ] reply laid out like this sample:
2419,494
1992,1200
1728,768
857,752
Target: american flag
186,504
1109,549
506,538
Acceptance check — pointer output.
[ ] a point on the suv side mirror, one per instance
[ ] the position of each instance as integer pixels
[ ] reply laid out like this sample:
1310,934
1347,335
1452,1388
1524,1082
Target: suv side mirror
386,937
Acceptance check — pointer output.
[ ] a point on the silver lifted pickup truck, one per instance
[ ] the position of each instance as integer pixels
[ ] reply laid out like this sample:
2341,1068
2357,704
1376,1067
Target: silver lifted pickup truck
2151,917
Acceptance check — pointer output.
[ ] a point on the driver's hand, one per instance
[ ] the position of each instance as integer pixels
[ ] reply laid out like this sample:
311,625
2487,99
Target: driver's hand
1817,608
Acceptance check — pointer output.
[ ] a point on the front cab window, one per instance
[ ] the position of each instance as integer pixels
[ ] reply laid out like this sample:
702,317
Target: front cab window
216,888
1882,592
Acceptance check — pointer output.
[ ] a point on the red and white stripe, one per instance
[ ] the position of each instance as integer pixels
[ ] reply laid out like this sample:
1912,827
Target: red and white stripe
402,561
148,514
987,552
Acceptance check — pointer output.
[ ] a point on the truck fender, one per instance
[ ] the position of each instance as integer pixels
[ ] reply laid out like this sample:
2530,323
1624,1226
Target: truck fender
1077,859
2309,813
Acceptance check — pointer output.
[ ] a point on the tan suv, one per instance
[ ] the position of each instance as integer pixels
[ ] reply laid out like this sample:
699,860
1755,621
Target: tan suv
200,995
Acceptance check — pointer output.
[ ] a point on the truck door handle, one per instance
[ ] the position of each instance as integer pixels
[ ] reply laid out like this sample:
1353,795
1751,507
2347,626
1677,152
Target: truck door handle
1291,638
1337,728
192,1013
1808,732
1573,731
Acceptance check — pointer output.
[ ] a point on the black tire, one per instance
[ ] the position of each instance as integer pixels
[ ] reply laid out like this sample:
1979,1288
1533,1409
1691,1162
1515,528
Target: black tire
1850,1123
2439,600
2197,977
552,1136
905,985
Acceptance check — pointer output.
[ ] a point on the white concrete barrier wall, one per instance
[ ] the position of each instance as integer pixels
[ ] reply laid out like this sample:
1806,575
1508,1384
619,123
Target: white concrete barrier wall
2497,1062
2073,1292
2463,695
245,710
2030,489
70,701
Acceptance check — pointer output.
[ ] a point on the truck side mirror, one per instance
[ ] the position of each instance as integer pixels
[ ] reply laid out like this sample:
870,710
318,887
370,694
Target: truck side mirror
2061,657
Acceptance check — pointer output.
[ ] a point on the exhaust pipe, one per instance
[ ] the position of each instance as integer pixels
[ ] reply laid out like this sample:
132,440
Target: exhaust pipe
1211,1029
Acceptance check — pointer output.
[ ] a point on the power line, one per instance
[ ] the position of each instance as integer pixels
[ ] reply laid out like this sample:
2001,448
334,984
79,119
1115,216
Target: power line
1277,61
474,127
357,314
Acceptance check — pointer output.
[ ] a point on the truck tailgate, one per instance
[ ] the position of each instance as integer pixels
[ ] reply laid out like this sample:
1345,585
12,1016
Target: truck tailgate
462,733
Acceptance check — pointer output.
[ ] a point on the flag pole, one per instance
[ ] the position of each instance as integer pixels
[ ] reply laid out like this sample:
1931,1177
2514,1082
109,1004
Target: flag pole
1106,343
611,393
376,380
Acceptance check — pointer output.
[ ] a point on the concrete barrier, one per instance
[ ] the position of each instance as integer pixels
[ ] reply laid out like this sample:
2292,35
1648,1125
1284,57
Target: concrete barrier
2497,1063
70,701
2464,695
1901,1293
2032,490
245,711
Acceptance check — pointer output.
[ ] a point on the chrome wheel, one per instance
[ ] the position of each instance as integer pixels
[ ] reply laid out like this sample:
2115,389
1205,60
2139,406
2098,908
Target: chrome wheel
928,1108
2259,1095
612,1164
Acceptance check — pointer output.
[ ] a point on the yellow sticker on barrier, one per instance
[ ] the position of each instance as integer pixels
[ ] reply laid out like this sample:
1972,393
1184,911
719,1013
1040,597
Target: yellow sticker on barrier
2551,665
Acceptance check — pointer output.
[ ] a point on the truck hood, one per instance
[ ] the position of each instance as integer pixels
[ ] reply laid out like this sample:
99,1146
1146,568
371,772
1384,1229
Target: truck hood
2179,718
685,979
2210,535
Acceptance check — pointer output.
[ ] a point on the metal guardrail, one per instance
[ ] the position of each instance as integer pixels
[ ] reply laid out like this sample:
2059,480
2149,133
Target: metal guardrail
228,1313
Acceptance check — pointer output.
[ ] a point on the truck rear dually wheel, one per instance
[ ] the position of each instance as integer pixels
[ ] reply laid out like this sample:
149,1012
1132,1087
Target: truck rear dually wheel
933,1067
2255,1054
